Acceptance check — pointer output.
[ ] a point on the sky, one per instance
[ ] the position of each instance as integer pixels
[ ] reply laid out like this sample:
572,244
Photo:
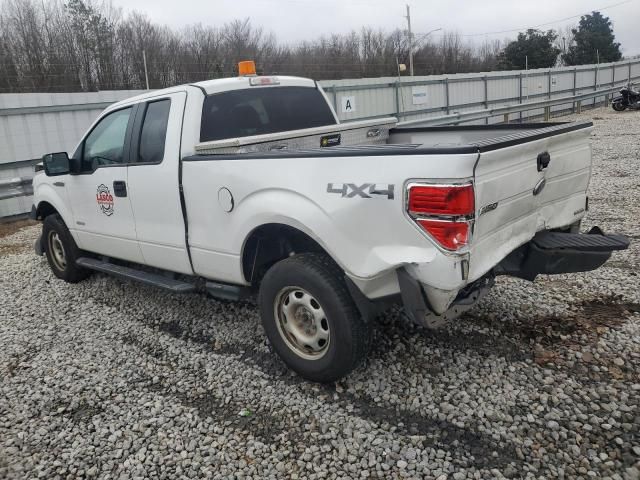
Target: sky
296,20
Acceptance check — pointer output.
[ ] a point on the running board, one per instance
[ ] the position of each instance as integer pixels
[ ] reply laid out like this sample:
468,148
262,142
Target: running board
128,273
223,291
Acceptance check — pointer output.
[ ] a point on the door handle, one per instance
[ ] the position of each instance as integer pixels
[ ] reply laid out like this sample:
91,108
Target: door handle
543,160
120,188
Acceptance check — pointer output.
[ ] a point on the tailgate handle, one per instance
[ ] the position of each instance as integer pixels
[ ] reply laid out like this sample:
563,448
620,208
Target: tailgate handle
543,160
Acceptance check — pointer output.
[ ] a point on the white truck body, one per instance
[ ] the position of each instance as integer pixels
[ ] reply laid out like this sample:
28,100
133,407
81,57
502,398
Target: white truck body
194,214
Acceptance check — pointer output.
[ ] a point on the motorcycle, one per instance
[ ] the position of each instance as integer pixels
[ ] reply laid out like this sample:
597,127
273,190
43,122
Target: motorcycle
628,98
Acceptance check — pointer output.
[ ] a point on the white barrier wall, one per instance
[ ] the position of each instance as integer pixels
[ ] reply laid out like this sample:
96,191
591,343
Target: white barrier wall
412,98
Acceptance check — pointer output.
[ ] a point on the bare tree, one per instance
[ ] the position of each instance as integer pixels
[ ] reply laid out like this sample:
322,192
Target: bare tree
81,45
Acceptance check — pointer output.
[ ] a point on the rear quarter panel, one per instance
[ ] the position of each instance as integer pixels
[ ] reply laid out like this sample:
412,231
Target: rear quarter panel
366,236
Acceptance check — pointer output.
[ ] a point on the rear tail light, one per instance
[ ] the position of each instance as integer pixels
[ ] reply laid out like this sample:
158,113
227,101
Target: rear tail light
456,200
445,212
451,235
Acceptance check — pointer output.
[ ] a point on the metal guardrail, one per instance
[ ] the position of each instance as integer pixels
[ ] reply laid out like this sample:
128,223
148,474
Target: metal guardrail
487,89
16,187
507,110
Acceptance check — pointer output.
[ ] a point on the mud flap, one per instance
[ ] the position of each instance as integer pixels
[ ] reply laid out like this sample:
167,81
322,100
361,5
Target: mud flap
37,246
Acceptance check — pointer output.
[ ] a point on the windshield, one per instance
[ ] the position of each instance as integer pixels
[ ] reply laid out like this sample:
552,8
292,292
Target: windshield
258,111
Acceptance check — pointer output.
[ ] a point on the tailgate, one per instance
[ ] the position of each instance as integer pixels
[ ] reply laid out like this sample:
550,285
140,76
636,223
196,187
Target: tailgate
517,195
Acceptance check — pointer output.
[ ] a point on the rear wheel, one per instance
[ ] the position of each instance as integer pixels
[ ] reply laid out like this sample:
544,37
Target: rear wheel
311,319
619,106
61,250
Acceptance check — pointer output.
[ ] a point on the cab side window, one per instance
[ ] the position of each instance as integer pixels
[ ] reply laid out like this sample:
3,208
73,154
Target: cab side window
105,144
153,134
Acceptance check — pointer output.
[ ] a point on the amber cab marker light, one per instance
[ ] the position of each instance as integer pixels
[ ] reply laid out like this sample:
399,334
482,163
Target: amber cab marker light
246,68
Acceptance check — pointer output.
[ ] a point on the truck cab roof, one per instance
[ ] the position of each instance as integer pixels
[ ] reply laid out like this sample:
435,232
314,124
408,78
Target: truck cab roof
219,85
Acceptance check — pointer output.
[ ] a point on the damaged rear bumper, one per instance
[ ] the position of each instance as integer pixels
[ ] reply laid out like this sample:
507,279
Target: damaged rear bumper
417,305
547,253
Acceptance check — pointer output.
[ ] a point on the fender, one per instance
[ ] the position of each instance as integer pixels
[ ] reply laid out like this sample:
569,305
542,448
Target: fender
44,192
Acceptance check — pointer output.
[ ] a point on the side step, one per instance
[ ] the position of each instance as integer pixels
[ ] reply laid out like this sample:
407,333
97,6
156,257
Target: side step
593,241
223,291
553,253
128,273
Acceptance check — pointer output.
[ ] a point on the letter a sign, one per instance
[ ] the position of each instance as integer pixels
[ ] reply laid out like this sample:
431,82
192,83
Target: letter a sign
348,104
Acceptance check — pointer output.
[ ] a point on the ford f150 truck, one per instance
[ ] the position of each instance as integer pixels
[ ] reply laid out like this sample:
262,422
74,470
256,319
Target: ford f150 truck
250,187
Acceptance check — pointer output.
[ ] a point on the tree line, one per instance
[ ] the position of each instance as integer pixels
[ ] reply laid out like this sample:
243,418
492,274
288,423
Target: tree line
83,45
592,41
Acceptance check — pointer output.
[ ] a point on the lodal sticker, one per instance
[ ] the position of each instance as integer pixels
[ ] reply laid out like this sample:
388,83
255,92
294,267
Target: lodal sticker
105,200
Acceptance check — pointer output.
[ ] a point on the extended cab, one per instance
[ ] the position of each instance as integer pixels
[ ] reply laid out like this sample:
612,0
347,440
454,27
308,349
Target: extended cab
250,186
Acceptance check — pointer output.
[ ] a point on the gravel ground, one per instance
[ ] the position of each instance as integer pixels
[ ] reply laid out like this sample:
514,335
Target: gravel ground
113,380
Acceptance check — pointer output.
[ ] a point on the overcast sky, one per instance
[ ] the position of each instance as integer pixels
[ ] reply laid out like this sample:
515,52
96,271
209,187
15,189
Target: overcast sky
293,20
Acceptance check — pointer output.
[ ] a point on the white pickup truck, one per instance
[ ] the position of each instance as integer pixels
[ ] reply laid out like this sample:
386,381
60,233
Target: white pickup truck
250,187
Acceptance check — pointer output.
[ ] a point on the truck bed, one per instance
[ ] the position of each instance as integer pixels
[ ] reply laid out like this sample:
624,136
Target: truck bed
389,140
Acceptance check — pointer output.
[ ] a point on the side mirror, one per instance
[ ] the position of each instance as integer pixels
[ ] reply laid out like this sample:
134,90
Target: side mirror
56,164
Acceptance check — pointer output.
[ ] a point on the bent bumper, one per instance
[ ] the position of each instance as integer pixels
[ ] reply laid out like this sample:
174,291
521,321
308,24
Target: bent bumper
547,253
417,306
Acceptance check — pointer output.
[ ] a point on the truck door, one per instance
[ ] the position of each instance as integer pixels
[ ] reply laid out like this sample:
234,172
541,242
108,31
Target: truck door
98,194
154,182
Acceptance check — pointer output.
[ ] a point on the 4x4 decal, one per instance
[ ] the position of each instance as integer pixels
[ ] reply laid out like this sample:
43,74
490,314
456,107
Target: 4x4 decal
366,190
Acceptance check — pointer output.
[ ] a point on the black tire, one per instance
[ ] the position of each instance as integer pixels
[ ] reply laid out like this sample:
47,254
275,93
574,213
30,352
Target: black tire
348,333
619,106
56,236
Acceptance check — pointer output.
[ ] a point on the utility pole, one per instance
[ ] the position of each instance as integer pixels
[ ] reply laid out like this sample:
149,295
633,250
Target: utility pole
146,74
597,68
410,41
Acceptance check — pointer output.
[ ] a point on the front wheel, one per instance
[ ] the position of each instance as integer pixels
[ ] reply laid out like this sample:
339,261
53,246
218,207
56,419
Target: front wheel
310,318
61,250
619,106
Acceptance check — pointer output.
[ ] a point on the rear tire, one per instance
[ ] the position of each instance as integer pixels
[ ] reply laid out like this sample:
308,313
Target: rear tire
619,106
310,318
61,250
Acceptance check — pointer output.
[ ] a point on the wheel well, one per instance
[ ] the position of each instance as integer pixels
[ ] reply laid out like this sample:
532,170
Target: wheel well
44,210
271,243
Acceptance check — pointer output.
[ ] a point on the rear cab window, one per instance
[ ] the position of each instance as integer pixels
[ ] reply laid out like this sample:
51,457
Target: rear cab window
259,111
153,134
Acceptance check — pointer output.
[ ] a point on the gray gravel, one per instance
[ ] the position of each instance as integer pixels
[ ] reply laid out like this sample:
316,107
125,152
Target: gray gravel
113,380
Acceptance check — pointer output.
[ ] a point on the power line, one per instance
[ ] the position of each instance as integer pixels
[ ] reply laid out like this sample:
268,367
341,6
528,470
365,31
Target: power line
553,22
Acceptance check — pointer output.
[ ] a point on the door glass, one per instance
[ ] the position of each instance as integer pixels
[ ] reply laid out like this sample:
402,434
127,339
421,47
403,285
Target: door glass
105,143
154,132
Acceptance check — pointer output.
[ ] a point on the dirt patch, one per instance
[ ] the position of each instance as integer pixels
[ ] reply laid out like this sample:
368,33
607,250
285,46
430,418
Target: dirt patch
268,426
12,249
9,228
596,317
82,412
593,318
